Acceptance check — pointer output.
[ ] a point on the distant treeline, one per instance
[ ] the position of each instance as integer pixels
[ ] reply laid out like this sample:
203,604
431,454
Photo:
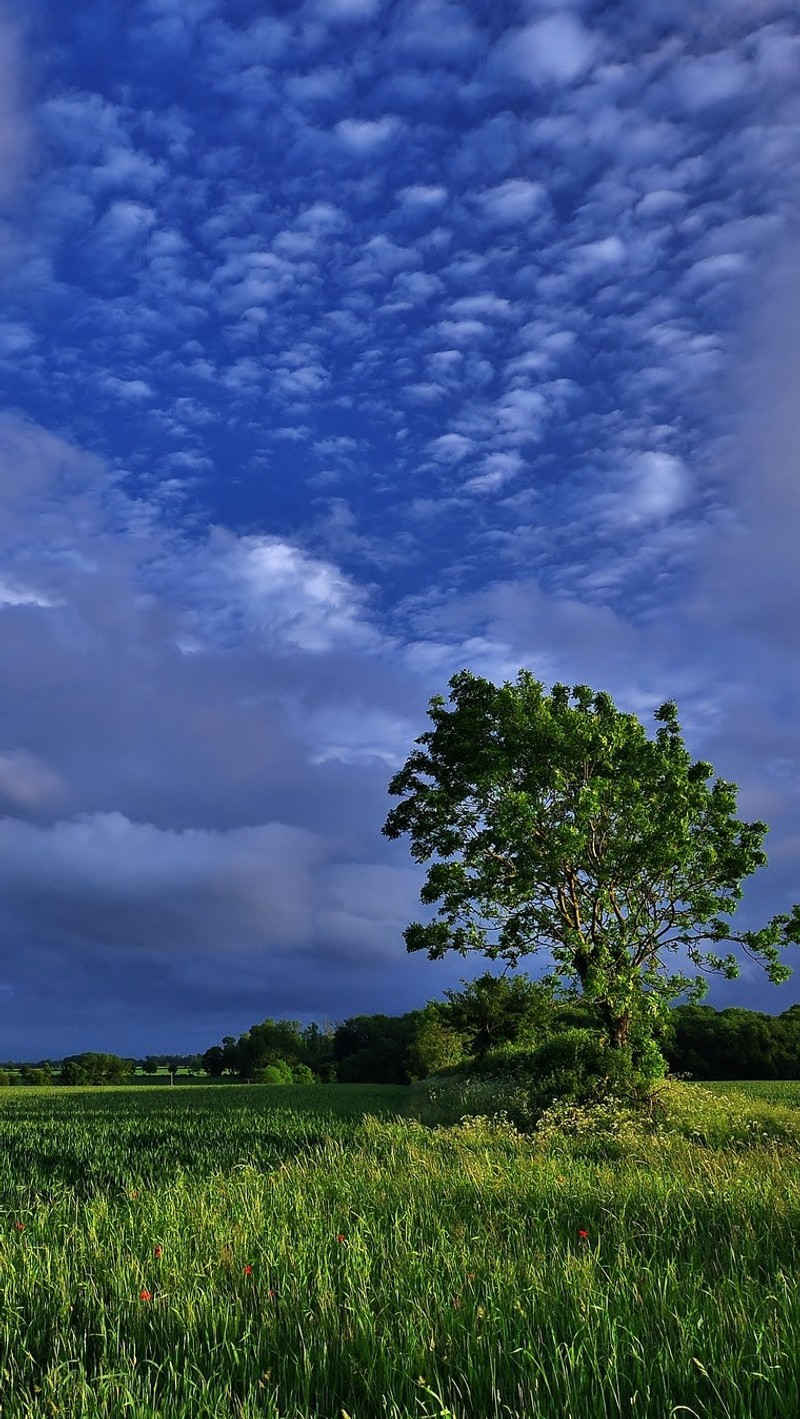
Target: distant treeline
490,1013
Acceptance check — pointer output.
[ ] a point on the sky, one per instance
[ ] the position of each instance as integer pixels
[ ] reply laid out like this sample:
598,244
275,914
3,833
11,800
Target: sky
345,344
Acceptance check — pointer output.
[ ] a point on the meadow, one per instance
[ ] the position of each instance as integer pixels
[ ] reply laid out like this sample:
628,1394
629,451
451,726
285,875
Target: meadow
320,1253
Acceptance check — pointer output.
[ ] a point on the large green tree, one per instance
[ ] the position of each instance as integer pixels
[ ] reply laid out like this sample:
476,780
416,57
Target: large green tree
553,821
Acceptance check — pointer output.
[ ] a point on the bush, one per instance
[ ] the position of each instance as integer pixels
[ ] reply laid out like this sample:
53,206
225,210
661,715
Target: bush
577,1067
277,1073
572,1067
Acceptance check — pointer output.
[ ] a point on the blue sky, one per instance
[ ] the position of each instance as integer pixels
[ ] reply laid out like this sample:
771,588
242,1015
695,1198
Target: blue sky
344,344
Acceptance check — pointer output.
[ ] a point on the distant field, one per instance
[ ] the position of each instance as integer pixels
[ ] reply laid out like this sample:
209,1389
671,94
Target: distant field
771,1091
307,1253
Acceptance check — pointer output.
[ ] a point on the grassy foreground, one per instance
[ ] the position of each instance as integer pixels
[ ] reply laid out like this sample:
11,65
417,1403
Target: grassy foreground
308,1254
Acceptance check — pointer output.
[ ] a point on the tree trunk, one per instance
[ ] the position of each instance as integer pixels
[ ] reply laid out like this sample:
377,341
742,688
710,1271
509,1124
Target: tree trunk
617,1024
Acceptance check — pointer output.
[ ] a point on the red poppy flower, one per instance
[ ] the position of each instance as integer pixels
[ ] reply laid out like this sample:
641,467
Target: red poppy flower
158,1252
584,1236
248,1271
340,1237
20,1226
145,1295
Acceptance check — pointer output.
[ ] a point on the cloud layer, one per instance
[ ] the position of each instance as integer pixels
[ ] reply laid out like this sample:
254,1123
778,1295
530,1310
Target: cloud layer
407,335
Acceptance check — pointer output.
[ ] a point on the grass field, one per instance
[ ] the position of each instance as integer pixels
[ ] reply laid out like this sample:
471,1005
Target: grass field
306,1253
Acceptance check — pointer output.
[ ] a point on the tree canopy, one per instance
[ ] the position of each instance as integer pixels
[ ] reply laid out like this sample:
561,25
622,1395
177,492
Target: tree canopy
552,821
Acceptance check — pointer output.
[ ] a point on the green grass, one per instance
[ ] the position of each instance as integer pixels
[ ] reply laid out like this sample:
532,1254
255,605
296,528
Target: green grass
770,1091
462,1286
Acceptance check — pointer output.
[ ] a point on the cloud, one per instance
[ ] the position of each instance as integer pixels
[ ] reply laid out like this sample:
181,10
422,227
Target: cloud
346,9
479,275
25,782
288,594
16,142
366,135
126,885
515,200
423,195
657,487
14,594
554,50
711,79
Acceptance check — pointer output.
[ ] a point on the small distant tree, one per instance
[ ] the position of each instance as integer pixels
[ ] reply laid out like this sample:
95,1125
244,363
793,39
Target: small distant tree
151,1064
553,822
214,1061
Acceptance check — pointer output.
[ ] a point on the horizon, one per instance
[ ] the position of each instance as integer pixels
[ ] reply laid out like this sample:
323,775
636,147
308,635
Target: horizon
346,344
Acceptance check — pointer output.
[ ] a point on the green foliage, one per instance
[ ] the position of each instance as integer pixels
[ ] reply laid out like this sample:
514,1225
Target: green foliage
273,1042
575,1065
734,1043
94,1068
553,821
278,1073
495,1010
435,1044
375,1048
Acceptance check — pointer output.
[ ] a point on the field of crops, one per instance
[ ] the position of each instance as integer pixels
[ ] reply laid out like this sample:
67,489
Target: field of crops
308,1254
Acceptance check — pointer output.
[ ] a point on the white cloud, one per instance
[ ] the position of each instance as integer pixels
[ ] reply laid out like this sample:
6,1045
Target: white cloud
423,195
346,9
125,222
15,337
557,49
436,30
288,595
498,470
658,486
481,306
711,78
450,448
366,135
462,331
354,734
131,389
515,200
607,251
13,593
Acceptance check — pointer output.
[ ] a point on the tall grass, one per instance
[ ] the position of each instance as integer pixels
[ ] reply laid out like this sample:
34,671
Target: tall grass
308,1254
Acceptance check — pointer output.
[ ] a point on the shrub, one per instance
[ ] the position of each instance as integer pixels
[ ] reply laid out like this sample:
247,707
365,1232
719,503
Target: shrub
277,1073
576,1066
572,1067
